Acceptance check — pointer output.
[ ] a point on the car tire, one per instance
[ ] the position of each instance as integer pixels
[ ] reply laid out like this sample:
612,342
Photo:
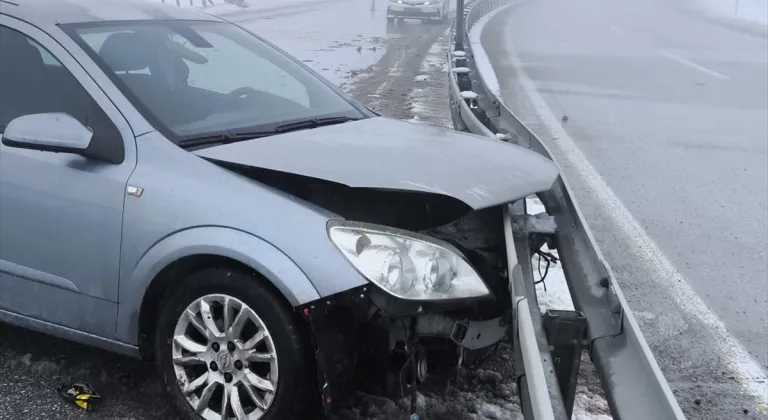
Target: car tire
234,357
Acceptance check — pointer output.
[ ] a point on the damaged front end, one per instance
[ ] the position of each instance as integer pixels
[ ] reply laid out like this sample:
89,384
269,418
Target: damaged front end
428,237
421,317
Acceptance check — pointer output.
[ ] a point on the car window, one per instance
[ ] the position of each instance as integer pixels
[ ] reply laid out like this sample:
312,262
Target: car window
241,64
197,78
33,81
48,58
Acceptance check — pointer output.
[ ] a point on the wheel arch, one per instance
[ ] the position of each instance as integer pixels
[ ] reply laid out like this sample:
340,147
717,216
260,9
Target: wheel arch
184,252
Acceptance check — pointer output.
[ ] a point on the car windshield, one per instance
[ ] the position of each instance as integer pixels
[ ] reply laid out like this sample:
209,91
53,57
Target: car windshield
197,78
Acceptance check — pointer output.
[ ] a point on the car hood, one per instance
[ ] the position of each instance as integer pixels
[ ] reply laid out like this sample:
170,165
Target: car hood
383,153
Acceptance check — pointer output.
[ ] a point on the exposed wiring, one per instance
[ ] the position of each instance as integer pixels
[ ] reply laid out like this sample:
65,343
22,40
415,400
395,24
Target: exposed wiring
549,260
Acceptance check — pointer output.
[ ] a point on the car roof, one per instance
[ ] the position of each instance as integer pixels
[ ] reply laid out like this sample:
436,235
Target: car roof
82,11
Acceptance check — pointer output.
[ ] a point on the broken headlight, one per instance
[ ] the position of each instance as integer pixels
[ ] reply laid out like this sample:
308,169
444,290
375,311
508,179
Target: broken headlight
407,265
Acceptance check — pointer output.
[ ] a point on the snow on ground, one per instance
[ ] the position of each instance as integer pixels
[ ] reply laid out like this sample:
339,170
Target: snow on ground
553,293
477,395
429,101
755,11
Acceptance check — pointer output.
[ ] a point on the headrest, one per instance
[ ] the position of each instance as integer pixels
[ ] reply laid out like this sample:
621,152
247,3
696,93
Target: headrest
23,54
126,51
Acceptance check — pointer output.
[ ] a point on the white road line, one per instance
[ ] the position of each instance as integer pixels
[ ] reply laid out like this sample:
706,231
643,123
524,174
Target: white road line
618,30
750,374
691,64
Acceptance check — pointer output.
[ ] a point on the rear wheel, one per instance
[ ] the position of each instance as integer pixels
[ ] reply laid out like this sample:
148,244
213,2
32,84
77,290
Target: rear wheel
227,347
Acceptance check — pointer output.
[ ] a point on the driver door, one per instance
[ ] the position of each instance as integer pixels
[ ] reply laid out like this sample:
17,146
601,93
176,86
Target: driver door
60,214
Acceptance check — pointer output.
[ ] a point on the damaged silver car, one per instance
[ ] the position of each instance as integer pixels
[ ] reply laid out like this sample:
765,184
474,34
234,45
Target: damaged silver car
174,187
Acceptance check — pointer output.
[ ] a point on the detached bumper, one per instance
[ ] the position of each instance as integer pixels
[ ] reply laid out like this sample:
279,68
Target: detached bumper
409,12
467,334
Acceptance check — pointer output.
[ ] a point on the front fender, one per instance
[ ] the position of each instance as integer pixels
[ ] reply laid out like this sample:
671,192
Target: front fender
248,249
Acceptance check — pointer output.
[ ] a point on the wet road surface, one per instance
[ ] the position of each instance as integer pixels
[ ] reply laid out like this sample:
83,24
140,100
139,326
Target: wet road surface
670,107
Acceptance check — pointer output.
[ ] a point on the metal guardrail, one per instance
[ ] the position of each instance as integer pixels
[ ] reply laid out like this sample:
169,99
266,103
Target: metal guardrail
548,347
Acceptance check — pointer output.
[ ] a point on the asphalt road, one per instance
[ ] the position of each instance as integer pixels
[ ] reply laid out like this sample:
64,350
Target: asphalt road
670,108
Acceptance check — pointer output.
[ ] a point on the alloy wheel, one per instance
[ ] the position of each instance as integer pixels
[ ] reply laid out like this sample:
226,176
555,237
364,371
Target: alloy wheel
224,359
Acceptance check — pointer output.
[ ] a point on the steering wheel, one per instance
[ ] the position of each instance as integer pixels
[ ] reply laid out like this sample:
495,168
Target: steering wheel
276,103
241,93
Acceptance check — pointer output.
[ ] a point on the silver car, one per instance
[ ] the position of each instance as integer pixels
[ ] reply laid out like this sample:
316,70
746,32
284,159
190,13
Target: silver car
425,10
174,187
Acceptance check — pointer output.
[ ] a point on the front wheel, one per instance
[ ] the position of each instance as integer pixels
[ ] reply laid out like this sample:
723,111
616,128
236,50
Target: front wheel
227,347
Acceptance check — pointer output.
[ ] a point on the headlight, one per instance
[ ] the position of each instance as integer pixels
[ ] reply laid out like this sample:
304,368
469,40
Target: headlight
406,265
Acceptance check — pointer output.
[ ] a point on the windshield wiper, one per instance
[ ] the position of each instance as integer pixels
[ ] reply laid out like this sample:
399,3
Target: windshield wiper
312,123
221,138
232,137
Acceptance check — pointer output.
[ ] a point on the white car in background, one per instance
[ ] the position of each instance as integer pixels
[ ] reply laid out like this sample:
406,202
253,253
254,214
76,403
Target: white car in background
417,9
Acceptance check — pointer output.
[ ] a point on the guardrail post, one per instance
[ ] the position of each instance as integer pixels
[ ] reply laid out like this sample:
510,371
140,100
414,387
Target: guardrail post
463,79
567,335
459,37
459,58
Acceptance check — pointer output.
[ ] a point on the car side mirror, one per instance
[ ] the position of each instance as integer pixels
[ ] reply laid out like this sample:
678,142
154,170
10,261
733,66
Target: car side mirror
51,132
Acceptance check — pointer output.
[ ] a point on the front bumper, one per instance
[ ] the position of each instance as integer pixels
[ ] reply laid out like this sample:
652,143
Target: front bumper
346,338
415,12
